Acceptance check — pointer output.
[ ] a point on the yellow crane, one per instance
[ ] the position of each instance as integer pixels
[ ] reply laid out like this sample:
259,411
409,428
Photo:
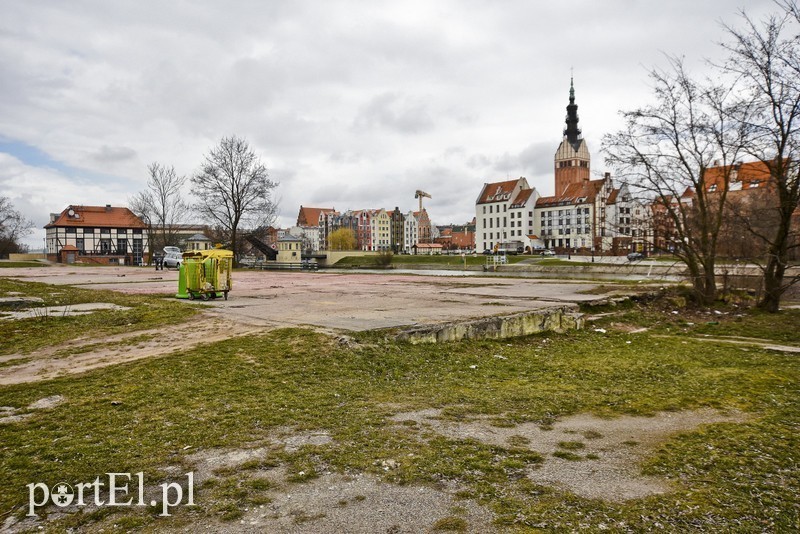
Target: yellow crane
420,194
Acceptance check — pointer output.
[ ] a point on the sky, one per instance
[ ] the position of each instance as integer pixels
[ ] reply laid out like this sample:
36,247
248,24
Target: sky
350,105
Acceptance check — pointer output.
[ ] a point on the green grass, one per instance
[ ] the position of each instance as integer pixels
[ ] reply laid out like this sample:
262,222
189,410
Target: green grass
15,264
26,335
728,477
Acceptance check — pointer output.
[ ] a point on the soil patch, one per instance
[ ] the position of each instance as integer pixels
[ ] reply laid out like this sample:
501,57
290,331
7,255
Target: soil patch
586,455
82,355
9,414
362,503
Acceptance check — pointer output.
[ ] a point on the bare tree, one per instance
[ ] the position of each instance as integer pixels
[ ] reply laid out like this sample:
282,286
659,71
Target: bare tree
766,59
663,154
161,206
13,227
234,189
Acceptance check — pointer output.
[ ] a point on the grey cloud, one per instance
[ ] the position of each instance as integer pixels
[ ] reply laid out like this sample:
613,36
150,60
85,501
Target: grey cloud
108,154
395,112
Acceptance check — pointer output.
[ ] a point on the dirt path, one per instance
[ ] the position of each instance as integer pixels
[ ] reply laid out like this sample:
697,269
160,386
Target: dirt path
736,340
84,354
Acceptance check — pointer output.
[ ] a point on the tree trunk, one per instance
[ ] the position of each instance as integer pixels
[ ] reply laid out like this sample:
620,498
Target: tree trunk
710,289
773,285
776,265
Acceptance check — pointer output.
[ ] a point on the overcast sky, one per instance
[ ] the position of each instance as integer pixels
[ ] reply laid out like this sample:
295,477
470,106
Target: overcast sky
349,104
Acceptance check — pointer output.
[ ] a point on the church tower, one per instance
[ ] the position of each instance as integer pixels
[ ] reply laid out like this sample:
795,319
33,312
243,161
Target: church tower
572,157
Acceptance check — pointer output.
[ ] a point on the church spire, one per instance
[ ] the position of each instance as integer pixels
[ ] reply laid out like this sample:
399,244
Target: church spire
572,133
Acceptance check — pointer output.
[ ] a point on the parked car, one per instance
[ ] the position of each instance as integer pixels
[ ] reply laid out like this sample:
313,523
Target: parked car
487,252
173,260
635,256
547,253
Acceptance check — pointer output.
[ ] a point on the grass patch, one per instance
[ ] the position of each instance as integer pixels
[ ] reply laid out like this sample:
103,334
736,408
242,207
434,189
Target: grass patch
20,264
571,445
450,524
242,391
26,335
568,455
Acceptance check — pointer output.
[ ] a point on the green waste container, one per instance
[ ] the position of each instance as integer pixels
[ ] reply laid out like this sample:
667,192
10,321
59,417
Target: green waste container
205,274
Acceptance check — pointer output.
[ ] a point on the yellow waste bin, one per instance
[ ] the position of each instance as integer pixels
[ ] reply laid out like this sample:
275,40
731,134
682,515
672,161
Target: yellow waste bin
205,274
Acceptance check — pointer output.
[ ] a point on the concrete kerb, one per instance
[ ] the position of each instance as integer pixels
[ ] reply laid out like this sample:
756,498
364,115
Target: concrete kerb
556,319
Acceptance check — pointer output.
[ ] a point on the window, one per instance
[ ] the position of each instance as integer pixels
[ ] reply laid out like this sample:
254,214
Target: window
490,209
91,230
70,230
105,246
504,208
530,214
484,210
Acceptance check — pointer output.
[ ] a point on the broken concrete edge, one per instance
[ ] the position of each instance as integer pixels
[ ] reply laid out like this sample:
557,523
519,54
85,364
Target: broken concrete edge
557,319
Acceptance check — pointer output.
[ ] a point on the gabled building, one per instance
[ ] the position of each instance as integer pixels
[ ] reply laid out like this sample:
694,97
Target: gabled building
398,230
410,232
311,227
97,234
424,233
380,230
504,214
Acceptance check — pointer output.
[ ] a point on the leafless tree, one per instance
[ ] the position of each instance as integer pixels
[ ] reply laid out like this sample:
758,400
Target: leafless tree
233,189
13,227
765,57
664,152
161,206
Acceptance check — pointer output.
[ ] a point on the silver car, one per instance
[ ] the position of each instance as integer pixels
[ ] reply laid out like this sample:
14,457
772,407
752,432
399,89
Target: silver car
173,260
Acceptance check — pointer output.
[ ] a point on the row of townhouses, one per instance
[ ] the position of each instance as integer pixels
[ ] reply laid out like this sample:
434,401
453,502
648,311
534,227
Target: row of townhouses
583,214
374,230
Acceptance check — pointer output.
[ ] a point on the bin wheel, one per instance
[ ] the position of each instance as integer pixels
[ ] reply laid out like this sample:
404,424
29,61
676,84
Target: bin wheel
226,295
204,296
191,295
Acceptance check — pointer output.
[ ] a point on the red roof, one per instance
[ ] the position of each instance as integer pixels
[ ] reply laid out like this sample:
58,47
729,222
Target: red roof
586,190
310,216
751,175
97,217
497,192
522,198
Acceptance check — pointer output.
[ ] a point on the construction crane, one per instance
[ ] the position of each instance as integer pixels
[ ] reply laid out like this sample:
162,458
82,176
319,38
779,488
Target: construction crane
420,194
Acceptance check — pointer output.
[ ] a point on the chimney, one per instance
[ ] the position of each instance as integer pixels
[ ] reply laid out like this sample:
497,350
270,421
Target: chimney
607,176
53,217
108,207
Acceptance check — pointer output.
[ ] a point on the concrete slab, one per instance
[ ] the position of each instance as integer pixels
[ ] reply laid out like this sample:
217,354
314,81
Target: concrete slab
340,301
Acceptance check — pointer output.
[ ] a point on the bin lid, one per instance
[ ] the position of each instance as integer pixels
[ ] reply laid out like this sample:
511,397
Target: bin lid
212,253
